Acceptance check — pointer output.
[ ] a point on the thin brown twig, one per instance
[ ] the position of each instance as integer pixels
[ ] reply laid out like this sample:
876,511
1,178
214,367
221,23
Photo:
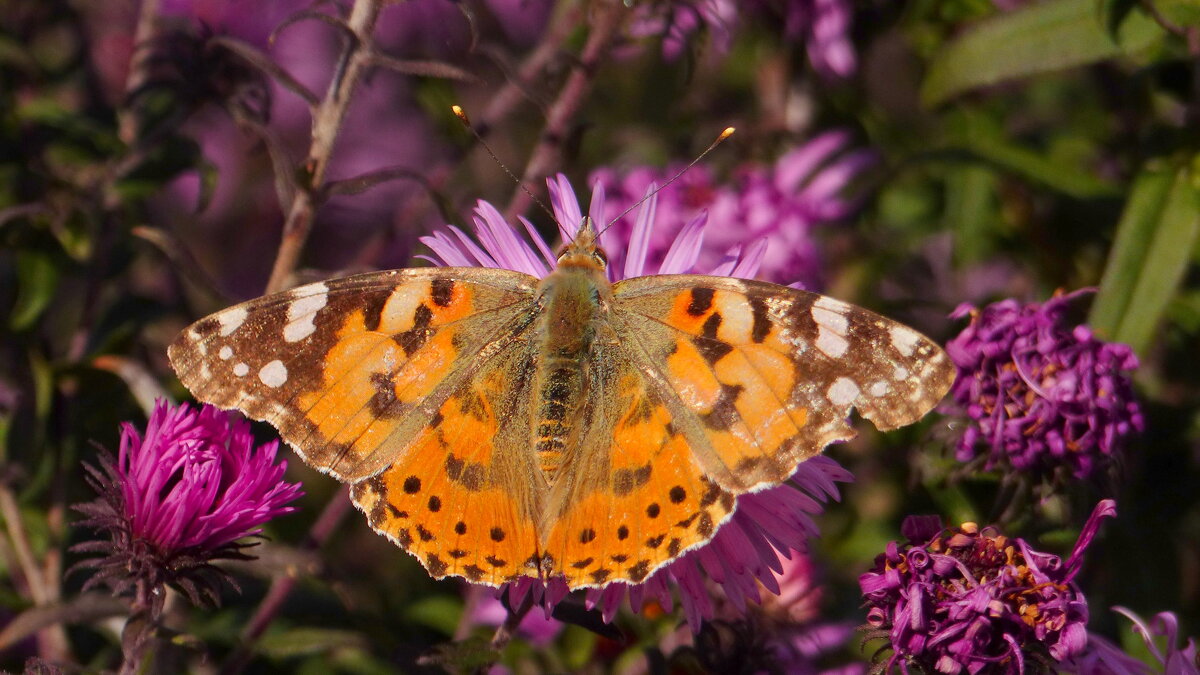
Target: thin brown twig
545,155
327,124
147,23
532,68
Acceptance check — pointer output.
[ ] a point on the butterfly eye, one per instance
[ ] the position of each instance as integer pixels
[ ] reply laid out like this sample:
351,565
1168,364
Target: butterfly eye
601,257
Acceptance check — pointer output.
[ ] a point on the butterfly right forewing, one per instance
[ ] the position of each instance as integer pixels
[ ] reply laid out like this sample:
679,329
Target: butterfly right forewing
760,377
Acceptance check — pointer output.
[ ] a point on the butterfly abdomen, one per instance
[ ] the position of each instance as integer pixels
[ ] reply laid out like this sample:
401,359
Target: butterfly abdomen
571,301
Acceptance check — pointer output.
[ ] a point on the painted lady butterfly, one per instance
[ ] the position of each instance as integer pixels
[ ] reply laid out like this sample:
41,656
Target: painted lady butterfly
496,425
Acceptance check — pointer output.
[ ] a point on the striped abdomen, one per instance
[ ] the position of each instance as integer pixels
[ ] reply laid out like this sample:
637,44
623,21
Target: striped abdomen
560,391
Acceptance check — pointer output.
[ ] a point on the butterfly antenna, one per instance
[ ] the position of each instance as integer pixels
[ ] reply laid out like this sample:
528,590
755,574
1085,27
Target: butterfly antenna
462,117
724,134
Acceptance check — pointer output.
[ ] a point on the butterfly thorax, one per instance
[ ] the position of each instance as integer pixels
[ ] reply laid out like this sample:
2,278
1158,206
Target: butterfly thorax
574,299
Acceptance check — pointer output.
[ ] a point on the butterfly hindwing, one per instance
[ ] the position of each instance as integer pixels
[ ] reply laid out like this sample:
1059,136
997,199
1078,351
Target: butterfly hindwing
464,497
760,377
350,371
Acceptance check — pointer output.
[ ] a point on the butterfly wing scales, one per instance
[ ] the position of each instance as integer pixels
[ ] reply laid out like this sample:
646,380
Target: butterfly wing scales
759,377
634,498
465,497
350,371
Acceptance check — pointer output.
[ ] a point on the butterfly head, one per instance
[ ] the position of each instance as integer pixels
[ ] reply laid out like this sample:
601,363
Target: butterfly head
583,251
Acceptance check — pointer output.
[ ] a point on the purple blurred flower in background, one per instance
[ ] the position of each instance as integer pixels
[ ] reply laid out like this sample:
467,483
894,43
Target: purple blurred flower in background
745,554
824,26
181,496
962,598
765,214
1042,393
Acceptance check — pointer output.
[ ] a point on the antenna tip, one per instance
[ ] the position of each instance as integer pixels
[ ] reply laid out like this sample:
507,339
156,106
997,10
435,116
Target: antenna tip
726,134
460,114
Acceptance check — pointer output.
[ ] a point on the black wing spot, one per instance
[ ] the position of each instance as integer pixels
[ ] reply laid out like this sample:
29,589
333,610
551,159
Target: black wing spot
581,564
601,575
673,548
425,534
458,553
496,562
762,323
460,527
622,533
655,542
677,494
435,504
412,485
586,536
436,567
653,510
702,299
473,572
625,480
497,534
442,291
724,411
639,571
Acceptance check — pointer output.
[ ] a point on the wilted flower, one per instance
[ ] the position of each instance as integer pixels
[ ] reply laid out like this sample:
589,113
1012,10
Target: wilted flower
1042,393
179,497
746,551
767,215
965,599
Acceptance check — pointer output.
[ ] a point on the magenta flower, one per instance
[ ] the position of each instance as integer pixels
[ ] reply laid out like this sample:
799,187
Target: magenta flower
1042,393
1104,658
965,599
824,25
767,216
185,493
745,555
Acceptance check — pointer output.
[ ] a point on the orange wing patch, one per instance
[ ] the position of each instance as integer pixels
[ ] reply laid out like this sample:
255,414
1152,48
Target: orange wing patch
638,499
450,499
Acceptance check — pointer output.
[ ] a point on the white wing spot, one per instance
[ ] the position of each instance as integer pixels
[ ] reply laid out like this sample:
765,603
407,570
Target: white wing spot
226,353
274,374
827,318
831,344
905,339
302,311
843,391
880,388
900,373
231,320
241,369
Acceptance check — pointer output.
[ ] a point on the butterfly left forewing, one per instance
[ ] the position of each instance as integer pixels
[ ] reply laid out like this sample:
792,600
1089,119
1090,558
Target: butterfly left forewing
350,370
760,377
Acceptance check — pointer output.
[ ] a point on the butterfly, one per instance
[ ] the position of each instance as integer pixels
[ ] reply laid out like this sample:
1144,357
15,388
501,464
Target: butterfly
496,425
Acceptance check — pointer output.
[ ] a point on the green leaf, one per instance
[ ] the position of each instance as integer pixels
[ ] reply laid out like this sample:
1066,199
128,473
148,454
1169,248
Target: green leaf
1154,244
37,280
1039,38
437,612
982,137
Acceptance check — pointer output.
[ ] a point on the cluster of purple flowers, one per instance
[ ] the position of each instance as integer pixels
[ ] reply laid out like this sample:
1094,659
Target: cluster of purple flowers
969,599
1041,392
768,215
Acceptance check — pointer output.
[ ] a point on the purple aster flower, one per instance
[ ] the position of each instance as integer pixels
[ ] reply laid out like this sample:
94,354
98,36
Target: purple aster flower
767,215
965,599
748,550
824,25
1042,394
1104,658
181,496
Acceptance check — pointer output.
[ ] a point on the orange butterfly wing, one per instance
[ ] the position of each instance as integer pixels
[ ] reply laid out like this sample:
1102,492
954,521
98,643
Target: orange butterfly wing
760,377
